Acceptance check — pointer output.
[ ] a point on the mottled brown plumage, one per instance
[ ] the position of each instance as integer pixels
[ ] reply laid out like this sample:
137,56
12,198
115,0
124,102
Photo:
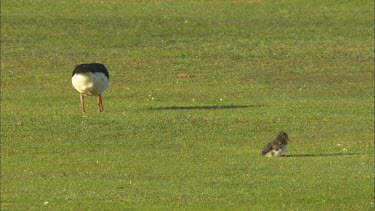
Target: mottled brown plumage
276,147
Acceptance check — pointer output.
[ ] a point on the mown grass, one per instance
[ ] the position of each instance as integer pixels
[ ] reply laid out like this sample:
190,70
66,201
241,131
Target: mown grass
163,142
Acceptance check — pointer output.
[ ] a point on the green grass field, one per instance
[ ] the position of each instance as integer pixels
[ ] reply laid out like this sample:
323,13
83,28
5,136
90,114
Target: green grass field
163,142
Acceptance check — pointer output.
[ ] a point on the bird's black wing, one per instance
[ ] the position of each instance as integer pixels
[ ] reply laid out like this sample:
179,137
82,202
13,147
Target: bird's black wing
92,67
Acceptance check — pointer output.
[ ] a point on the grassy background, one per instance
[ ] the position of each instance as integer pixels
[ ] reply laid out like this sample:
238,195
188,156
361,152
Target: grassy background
256,67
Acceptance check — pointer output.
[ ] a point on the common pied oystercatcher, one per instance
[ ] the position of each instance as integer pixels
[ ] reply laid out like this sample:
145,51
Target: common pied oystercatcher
276,147
90,79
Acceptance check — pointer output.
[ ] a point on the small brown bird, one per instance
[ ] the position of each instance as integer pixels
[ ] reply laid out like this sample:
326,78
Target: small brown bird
276,147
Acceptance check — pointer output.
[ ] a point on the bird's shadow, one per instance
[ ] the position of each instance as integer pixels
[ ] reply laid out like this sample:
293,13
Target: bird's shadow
326,155
205,107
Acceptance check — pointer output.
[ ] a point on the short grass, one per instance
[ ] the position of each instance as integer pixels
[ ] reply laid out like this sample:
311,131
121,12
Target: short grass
163,142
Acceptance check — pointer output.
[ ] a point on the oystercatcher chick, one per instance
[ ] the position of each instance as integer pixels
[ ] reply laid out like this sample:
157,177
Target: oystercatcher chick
90,79
276,147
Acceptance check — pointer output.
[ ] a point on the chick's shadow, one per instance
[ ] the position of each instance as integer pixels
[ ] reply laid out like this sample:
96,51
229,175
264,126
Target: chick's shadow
205,107
327,155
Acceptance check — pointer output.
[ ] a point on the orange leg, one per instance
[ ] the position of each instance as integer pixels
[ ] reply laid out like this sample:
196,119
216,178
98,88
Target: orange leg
82,97
100,103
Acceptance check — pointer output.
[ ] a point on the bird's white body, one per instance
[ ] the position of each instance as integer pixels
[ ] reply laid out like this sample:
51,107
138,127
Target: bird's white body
276,152
90,83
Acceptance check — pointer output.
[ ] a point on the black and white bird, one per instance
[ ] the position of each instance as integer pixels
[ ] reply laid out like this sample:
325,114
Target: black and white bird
276,147
90,79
